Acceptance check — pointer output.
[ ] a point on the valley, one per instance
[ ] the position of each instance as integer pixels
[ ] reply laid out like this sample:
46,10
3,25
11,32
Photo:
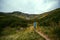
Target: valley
19,26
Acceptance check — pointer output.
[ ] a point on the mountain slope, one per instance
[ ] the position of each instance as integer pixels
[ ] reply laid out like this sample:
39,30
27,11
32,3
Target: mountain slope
50,24
53,16
9,21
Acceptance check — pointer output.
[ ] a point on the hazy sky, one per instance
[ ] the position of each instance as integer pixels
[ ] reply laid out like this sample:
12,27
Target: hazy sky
29,6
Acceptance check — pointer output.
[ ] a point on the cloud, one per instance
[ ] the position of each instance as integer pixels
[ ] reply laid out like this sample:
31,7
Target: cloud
28,6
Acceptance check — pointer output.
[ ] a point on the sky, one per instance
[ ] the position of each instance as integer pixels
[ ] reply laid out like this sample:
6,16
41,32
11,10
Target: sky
29,6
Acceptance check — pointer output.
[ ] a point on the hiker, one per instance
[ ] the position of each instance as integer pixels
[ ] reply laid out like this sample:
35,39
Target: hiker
34,25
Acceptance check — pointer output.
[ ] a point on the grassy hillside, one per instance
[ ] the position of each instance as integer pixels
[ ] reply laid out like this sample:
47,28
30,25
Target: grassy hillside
7,20
53,17
50,24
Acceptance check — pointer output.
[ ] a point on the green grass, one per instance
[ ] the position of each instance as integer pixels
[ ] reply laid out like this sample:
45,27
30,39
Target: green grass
52,32
25,34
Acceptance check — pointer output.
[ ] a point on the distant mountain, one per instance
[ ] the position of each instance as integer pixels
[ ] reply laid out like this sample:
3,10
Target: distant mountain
24,15
21,15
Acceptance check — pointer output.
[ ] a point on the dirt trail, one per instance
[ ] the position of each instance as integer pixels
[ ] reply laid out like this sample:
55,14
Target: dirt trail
42,34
